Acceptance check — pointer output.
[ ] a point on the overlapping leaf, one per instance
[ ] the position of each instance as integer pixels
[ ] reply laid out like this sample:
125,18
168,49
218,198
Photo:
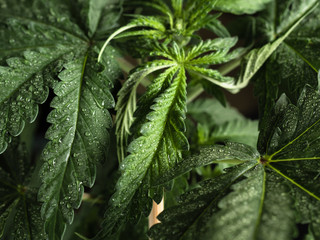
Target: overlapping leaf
46,41
293,59
281,19
19,210
35,44
213,128
262,205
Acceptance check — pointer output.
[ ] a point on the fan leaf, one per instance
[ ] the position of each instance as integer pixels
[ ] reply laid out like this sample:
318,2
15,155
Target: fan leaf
262,205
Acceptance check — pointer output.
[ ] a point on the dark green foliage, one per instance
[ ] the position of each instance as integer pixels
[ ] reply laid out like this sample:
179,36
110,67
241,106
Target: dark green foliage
107,151
19,210
265,198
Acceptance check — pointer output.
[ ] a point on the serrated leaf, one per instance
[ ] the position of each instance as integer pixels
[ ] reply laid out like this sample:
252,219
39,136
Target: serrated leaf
276,77
33,54
285,23
126,104
231,153
305,41
19,210
213,127
257,199
195,208
153,153
292,59
243,131
208,112
288,167
78,138
44,41
240,6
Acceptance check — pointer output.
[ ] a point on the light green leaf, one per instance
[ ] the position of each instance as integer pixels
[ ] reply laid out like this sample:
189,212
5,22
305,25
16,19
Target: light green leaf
208,112
152,154
240,6
242,131
126,104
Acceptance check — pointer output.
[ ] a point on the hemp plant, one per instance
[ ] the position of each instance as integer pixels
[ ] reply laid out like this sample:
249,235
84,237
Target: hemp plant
109,107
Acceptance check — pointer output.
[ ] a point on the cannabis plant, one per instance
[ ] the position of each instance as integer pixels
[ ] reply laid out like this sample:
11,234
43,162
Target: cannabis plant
110,107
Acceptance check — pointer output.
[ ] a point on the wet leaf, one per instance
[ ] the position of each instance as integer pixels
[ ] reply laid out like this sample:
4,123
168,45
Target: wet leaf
19,210
262,205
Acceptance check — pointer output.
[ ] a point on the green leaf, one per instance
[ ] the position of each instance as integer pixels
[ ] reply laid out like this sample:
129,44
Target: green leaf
45,41
305,41
126,104
240,6
213,127
78,138
152,154
208,112
292,59
283,23
19,210
246,212
36,43
231,153
186,220
288,169
95,13
24,84
276,77
242,131
159,140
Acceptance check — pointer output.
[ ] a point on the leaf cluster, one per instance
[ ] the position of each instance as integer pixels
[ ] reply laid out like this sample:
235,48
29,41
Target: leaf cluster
110,149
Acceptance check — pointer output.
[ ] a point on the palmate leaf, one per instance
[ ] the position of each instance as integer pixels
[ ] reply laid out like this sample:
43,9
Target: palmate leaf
181,26
278,27
19,210
261,202
33,53
217,51
44,43
292,59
